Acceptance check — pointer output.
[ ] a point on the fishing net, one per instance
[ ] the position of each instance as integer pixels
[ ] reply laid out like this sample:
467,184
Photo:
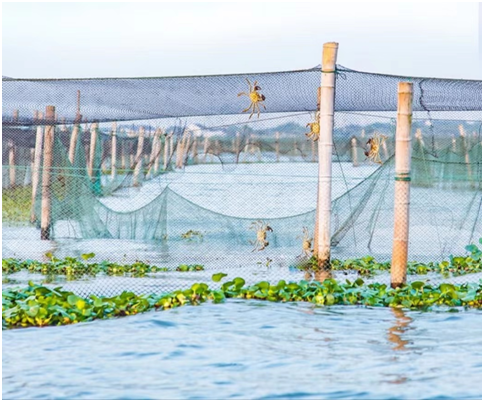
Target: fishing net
169,171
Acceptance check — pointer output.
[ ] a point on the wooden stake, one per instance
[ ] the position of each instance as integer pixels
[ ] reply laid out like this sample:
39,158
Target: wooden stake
403,155
92,149
205,149
72,145
322,249
39,139
157,141
11,163
139,158
114,130
467,161
354,151
45,220
166,151
195,149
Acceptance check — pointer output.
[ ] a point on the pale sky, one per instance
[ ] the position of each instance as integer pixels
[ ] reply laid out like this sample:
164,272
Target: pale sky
68,40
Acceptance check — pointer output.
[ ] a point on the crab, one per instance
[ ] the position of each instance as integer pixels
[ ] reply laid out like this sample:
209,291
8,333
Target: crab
314,128
255,97
261,228
306,244
373,147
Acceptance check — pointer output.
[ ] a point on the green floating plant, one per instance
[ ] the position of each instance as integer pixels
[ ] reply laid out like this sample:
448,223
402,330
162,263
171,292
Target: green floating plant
74,268
38,305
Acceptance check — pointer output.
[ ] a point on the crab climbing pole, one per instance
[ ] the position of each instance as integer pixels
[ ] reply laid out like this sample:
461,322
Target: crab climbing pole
402,184
322,246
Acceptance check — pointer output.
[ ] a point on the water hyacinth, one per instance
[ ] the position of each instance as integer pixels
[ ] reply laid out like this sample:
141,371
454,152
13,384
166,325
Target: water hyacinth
37,305
74,268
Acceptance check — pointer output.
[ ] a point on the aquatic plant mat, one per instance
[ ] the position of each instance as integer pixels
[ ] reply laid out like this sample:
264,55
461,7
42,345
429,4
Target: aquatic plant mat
162,175
37,305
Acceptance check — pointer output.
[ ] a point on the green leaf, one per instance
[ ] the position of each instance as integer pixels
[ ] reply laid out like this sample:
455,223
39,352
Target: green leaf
418,285
87,256
218,277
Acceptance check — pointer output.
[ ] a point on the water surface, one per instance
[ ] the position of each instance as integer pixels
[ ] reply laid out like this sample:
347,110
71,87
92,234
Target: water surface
251,349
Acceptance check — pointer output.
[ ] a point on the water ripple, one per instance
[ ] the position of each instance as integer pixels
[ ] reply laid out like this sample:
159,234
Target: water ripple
250,350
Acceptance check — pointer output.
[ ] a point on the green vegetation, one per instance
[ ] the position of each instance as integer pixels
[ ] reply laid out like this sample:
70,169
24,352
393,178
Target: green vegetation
16,204
369,267
74,268
40,306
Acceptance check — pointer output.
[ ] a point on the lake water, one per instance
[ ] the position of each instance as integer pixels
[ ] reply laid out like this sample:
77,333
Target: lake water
251,349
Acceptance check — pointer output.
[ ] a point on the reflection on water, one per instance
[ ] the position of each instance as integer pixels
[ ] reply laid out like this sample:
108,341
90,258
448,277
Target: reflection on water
400,327
249,349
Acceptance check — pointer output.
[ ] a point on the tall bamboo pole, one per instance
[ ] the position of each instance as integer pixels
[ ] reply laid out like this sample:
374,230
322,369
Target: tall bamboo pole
465,150
166,151
39,139
139,157
114,130
403,157
92,148
195,149
15,115
322,249
156,162
11,163
46,204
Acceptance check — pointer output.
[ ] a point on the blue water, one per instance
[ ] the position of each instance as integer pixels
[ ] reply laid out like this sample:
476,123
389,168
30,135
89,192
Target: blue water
250,349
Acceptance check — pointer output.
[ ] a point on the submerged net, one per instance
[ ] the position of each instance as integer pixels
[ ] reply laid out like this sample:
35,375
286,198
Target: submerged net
168,171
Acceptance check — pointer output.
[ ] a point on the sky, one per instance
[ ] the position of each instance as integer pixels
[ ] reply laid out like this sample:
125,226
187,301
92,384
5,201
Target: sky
81,40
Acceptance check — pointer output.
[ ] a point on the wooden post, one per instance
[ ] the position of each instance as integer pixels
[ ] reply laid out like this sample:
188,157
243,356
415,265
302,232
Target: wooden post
322,249
454,144
166,150
385,151
465,151
354,151
157,141
11,163
92,149
195,149
205,149
113,150
139,158
15,116
39,139
403,155
45,220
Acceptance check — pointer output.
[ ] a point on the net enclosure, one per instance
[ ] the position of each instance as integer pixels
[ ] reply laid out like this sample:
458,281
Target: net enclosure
194,171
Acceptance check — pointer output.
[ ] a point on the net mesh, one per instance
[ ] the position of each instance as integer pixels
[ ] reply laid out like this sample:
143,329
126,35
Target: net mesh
169,171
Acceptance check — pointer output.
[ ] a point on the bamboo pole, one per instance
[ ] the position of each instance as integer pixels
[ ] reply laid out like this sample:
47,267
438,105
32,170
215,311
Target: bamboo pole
11,163
171,148
354,151
156,162
15,115
114,130
195,149
92,149
139,158
46,204
403,155
465,150
322,249
39,139
316,233
166,150
205,149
